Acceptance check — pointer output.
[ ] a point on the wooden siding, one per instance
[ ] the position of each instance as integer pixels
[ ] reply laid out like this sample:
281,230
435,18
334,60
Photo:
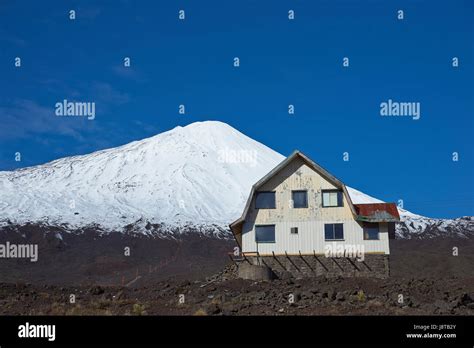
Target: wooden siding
310,221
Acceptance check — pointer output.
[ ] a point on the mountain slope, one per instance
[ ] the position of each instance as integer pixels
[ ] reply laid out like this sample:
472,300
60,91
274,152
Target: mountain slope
421,227
197,176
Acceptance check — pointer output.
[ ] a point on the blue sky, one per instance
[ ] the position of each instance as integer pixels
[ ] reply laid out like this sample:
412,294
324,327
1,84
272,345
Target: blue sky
282,62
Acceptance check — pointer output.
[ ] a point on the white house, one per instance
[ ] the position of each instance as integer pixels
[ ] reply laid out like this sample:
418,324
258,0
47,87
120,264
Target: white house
299,218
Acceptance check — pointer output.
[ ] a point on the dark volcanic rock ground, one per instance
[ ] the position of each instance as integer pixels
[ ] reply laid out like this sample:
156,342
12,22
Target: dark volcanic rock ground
334,296
94,269
89,257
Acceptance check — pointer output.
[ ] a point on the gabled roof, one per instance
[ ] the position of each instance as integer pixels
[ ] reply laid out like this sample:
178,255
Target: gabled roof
316,167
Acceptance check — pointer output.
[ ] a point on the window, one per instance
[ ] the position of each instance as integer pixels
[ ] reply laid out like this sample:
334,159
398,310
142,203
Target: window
332,198
265,200
333,232
294,230
265,233
300,199
371,231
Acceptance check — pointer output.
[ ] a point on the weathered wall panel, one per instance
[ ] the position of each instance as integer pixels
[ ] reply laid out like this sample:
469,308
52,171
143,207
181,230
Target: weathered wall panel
310,221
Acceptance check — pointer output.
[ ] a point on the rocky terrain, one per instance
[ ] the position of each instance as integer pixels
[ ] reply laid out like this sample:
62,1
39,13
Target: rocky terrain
426,273
333,296
92,257
127,229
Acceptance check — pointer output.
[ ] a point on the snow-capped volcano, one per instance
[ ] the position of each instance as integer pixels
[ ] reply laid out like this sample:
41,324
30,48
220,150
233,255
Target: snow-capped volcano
197,175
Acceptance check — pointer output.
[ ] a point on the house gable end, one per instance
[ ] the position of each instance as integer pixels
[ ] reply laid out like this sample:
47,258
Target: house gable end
236,226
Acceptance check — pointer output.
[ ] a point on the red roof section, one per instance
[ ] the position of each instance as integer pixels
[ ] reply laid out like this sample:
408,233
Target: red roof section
381,212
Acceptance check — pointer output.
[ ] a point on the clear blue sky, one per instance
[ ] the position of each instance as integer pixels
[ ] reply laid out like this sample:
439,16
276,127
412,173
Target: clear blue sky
282,62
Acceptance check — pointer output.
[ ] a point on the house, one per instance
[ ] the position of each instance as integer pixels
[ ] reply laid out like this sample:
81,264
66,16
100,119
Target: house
300,219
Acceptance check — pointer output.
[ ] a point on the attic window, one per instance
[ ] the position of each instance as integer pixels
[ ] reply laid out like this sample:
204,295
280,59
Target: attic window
265,200
294,230
300,199
332,198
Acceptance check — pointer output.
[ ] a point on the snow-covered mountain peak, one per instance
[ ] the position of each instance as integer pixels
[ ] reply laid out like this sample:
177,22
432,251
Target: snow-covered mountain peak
197,175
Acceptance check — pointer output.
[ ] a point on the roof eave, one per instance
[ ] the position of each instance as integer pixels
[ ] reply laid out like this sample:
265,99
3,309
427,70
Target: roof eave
372,219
